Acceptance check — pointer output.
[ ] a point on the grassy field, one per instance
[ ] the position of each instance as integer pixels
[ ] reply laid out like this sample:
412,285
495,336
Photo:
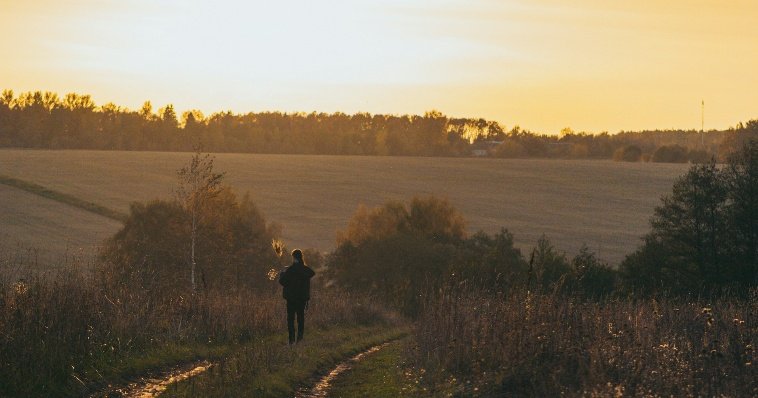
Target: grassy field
603,204
49,231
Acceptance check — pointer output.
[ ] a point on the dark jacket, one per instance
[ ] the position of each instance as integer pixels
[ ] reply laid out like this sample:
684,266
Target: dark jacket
296,280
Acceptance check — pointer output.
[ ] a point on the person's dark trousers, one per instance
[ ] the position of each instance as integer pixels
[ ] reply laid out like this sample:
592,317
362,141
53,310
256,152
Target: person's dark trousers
295,308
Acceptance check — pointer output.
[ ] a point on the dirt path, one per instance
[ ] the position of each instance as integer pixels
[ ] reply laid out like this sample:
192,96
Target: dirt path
321,388
154,385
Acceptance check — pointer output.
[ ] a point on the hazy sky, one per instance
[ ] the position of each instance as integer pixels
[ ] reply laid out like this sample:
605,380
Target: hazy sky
593,65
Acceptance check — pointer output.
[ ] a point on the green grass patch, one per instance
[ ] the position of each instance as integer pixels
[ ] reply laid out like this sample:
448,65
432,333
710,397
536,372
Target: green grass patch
62,198
268,367
386,373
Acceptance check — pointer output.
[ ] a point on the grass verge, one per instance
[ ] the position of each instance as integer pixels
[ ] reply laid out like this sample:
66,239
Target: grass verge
270,368
62,198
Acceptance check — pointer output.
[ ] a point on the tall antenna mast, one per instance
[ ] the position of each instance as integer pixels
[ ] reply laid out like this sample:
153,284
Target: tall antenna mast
702,123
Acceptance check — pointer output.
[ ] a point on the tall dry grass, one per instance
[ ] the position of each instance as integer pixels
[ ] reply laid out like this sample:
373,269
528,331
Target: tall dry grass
545,345
66,334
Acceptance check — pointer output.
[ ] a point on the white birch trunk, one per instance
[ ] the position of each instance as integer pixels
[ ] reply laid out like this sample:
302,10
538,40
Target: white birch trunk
192,265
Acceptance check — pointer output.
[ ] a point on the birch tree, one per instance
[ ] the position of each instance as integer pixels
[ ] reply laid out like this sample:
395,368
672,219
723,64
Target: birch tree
198,183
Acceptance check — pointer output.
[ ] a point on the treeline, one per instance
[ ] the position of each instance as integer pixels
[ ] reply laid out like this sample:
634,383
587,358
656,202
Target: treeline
46,120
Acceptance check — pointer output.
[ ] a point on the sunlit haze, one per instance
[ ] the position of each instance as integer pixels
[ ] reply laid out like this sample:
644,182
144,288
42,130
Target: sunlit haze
591,65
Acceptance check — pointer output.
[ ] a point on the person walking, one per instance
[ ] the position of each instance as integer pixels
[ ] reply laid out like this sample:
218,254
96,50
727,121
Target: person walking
296,283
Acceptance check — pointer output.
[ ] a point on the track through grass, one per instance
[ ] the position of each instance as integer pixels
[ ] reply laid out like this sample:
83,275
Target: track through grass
62,198
270,368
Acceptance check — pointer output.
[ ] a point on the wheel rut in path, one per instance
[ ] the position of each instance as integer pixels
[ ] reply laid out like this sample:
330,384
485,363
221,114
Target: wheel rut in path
323,385
153,386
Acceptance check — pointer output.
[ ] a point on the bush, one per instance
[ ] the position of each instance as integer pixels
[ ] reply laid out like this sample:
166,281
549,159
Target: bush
491,262
428,217
629,153
547,266
152,250
592,278
395,250
670,154
699,156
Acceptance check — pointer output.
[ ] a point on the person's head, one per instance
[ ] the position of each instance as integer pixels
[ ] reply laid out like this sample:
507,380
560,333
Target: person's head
298,256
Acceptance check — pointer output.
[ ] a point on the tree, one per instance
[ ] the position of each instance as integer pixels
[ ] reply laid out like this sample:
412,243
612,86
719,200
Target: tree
7,99
510,148
670,154
735,139
151,250
73,101
492,262
146,111
742,211
437,219
547,266
704,236
198,184
168,115
396,250
690,222
233,242
592,278
193,126
643,272
7,103
701,236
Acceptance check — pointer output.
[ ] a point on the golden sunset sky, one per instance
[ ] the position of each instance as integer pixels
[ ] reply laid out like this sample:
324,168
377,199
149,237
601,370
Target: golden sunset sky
592,65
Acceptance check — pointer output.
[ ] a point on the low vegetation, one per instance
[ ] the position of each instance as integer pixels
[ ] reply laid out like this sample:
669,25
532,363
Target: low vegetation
68,335
473,343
